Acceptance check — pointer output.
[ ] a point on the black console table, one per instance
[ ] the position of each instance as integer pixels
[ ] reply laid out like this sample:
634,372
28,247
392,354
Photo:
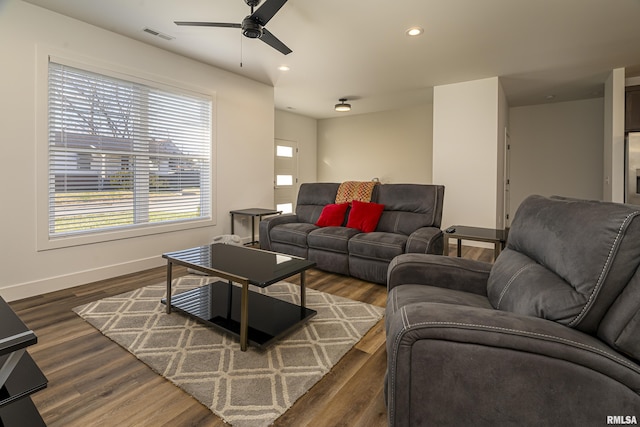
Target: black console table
19,375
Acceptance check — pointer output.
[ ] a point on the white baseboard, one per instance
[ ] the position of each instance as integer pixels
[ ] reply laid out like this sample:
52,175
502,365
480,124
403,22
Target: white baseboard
52,284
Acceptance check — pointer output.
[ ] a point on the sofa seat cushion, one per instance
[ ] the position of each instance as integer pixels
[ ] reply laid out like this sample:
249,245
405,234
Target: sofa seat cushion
378,245
293,233
333,239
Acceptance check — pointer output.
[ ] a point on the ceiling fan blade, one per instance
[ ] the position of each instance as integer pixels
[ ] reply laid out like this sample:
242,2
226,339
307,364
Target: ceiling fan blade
267,10
273,41
207,24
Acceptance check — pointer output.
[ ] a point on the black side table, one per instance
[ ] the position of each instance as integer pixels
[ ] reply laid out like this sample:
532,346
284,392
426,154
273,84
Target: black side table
253,213
489,235
19,374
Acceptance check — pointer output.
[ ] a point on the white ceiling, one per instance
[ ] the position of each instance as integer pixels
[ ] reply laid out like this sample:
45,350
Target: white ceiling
359,50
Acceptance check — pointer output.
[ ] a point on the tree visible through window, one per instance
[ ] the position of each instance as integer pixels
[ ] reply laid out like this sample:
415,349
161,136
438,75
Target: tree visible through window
124,154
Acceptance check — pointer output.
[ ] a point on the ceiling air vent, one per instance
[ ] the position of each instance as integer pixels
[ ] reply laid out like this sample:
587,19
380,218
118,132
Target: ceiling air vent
157,33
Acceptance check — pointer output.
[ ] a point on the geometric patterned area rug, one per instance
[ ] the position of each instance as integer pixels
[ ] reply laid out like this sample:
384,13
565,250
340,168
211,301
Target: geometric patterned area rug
251,388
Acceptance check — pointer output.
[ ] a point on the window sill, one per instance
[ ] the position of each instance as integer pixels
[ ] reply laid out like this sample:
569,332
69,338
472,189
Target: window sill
45,243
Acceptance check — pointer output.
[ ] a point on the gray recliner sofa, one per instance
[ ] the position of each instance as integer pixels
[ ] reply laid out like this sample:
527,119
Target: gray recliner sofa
549,335
410,223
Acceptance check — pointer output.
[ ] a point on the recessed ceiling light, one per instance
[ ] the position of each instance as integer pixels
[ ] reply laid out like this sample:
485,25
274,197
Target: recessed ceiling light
284,68
414,31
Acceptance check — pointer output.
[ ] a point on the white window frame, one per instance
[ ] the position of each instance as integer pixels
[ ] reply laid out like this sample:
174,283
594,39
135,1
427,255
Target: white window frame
44,241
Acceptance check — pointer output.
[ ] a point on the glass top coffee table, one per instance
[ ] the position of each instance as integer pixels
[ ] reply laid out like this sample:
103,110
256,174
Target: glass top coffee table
254,317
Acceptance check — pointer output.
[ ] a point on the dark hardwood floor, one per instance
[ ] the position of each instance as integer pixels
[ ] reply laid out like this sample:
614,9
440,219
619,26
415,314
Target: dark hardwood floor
95,382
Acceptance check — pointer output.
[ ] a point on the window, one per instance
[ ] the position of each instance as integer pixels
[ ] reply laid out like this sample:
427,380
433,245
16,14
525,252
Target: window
284,180
124,155
285,207
284,151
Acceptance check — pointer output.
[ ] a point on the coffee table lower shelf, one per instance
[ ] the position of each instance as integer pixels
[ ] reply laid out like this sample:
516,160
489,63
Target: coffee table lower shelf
218,304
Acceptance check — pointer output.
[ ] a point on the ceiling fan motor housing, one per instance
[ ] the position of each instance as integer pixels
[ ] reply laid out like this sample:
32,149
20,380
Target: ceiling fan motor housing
251,29
252,3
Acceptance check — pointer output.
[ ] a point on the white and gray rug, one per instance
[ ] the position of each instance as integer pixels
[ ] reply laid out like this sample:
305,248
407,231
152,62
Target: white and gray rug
251,388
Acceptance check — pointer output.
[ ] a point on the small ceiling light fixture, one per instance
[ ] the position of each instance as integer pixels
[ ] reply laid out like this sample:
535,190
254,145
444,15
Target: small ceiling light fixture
342,106
284,68
414,31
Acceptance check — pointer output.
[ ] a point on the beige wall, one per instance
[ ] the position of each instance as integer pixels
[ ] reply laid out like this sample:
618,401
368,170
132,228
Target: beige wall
556,149
394,146
244,178
466,148
613,133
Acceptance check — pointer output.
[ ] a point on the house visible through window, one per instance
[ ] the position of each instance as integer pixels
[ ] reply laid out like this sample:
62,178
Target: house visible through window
124,154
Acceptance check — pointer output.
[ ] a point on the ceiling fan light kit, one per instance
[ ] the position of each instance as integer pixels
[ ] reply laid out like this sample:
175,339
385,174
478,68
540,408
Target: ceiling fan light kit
342,106
252,26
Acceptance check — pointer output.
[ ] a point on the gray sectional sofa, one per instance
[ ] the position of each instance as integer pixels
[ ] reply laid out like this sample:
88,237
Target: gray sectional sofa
410,223
549,335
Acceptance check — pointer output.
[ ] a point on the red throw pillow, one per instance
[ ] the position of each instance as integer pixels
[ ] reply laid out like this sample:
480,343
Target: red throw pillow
332,215
364,216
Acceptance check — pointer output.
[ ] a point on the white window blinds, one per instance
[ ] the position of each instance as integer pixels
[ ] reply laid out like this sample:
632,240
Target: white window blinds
124,154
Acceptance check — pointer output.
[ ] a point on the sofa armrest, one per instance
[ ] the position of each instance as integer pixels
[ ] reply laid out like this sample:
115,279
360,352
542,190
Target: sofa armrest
460,274
265,226
449,363
426,240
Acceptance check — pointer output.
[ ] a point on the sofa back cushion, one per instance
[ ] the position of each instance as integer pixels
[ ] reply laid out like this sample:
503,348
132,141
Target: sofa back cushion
566,260
312,198
408,207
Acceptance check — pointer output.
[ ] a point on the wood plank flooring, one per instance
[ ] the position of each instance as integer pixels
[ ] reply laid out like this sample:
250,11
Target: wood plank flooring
94,382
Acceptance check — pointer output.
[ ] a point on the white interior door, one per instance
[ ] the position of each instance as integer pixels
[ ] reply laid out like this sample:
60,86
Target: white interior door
286,175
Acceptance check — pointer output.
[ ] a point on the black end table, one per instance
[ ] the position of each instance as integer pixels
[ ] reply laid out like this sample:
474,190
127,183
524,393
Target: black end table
253,213
463,232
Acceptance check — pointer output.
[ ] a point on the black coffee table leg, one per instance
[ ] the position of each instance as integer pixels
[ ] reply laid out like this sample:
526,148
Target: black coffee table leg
169,272
229,299
244,317
303,293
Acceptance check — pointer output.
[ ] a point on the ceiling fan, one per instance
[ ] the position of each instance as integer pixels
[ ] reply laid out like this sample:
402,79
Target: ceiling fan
253,25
